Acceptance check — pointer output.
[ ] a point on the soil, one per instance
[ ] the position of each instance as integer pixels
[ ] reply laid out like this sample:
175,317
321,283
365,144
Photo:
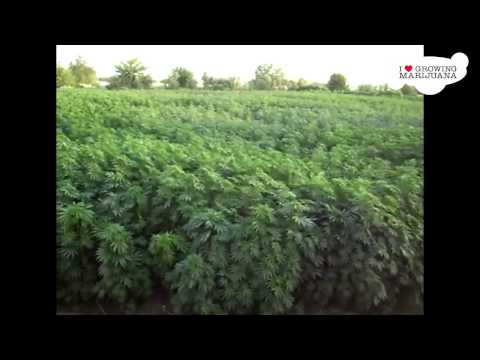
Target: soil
159,304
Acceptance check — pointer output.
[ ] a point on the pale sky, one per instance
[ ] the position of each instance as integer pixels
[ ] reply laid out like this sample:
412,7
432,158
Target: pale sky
361,64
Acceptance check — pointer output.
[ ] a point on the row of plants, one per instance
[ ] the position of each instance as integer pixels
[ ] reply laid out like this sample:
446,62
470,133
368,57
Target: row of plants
237,202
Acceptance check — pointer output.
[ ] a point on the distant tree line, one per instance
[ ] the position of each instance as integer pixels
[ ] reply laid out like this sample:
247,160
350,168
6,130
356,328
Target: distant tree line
406,90
131,75
211,83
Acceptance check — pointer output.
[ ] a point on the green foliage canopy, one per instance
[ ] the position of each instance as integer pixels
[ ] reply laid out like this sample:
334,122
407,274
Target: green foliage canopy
64,77
337,82
408,90
131,75
82,73
259,202
211,83
269,78
180,78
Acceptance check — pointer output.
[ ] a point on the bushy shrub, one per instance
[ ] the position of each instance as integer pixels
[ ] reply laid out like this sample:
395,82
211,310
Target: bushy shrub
313,86
409,90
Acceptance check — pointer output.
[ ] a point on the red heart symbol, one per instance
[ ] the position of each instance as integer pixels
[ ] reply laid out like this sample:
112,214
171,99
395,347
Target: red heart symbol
409,67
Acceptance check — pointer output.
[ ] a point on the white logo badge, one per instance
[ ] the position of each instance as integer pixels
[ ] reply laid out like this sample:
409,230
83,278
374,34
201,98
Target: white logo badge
431,74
